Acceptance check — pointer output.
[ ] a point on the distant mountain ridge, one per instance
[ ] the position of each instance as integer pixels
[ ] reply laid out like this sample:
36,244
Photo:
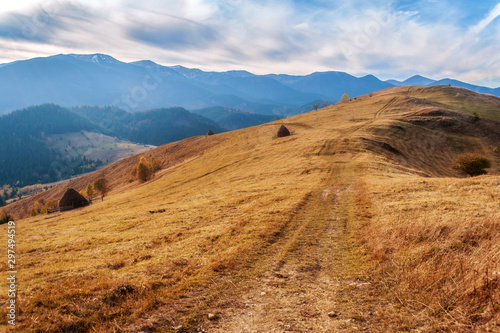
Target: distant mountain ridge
98,79
418,80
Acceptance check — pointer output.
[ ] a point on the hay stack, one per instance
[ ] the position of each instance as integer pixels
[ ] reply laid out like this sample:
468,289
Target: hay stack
210,132
283,131
72,199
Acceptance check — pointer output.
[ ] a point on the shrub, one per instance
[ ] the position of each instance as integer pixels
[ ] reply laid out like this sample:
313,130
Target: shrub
472,164
33,211
37,208
5,217
52,203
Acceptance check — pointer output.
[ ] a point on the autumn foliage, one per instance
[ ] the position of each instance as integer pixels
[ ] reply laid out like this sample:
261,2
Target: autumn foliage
101,185
146,169
472,164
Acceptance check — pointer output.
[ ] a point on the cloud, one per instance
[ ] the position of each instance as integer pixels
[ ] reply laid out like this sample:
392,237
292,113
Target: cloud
38,26
173,33
395,38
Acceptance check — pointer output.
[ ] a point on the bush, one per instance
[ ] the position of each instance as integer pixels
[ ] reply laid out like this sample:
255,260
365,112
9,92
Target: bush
5,217
37,208
33,211
472,164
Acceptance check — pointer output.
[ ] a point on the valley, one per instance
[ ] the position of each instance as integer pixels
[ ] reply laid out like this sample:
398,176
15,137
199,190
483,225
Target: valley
94,146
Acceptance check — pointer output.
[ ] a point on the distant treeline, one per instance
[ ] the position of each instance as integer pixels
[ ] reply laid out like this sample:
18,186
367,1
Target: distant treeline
155,127
27,157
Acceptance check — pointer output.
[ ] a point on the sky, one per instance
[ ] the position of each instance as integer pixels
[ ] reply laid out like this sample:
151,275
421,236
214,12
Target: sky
390,39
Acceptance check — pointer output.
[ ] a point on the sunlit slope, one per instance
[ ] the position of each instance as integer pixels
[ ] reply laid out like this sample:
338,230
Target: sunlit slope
124,262
425,128
221,210
119,174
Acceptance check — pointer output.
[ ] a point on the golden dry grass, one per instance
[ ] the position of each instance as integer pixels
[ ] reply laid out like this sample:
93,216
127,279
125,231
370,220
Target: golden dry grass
435,244
237,205
119,174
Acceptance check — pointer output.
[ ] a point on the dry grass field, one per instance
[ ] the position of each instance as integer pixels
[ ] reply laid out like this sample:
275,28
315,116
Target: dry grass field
357,221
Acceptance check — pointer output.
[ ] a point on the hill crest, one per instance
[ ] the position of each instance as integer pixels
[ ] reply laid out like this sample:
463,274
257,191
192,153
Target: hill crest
406,125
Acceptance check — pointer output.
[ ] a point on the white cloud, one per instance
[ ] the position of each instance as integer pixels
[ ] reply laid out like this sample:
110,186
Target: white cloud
358,37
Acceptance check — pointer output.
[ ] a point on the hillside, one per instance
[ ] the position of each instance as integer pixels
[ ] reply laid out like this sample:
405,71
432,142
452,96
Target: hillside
48,143
357,221
26,157
232,119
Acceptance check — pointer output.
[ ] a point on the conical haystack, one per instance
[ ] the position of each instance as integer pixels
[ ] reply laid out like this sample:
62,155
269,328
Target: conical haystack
72,199
283,131
210,132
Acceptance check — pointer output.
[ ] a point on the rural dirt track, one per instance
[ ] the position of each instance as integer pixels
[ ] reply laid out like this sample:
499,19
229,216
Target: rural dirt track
315,282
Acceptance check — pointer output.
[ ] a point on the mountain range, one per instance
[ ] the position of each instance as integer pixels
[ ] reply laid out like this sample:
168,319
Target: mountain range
97,79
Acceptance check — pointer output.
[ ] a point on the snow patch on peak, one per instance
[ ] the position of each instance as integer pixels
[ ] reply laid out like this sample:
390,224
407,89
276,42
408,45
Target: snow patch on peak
96,58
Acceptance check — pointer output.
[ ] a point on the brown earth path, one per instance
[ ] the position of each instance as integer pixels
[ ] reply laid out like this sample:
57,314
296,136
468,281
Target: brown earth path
316,280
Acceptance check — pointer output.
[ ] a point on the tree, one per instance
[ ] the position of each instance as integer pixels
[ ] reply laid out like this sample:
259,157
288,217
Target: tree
316,106
142,172
472,164
5,217
89,190
146,169
344,98
325,104
36,209
101,184
153,164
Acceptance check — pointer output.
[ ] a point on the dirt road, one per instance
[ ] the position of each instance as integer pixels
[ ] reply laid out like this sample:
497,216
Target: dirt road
316,281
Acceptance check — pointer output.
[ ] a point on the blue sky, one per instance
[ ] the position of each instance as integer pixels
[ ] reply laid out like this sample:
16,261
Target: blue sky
390,39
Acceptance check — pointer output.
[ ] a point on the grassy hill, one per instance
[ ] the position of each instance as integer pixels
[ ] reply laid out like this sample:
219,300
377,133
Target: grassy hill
47,143
355,221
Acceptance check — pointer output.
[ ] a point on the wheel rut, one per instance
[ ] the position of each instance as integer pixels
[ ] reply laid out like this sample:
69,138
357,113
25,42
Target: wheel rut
315,281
